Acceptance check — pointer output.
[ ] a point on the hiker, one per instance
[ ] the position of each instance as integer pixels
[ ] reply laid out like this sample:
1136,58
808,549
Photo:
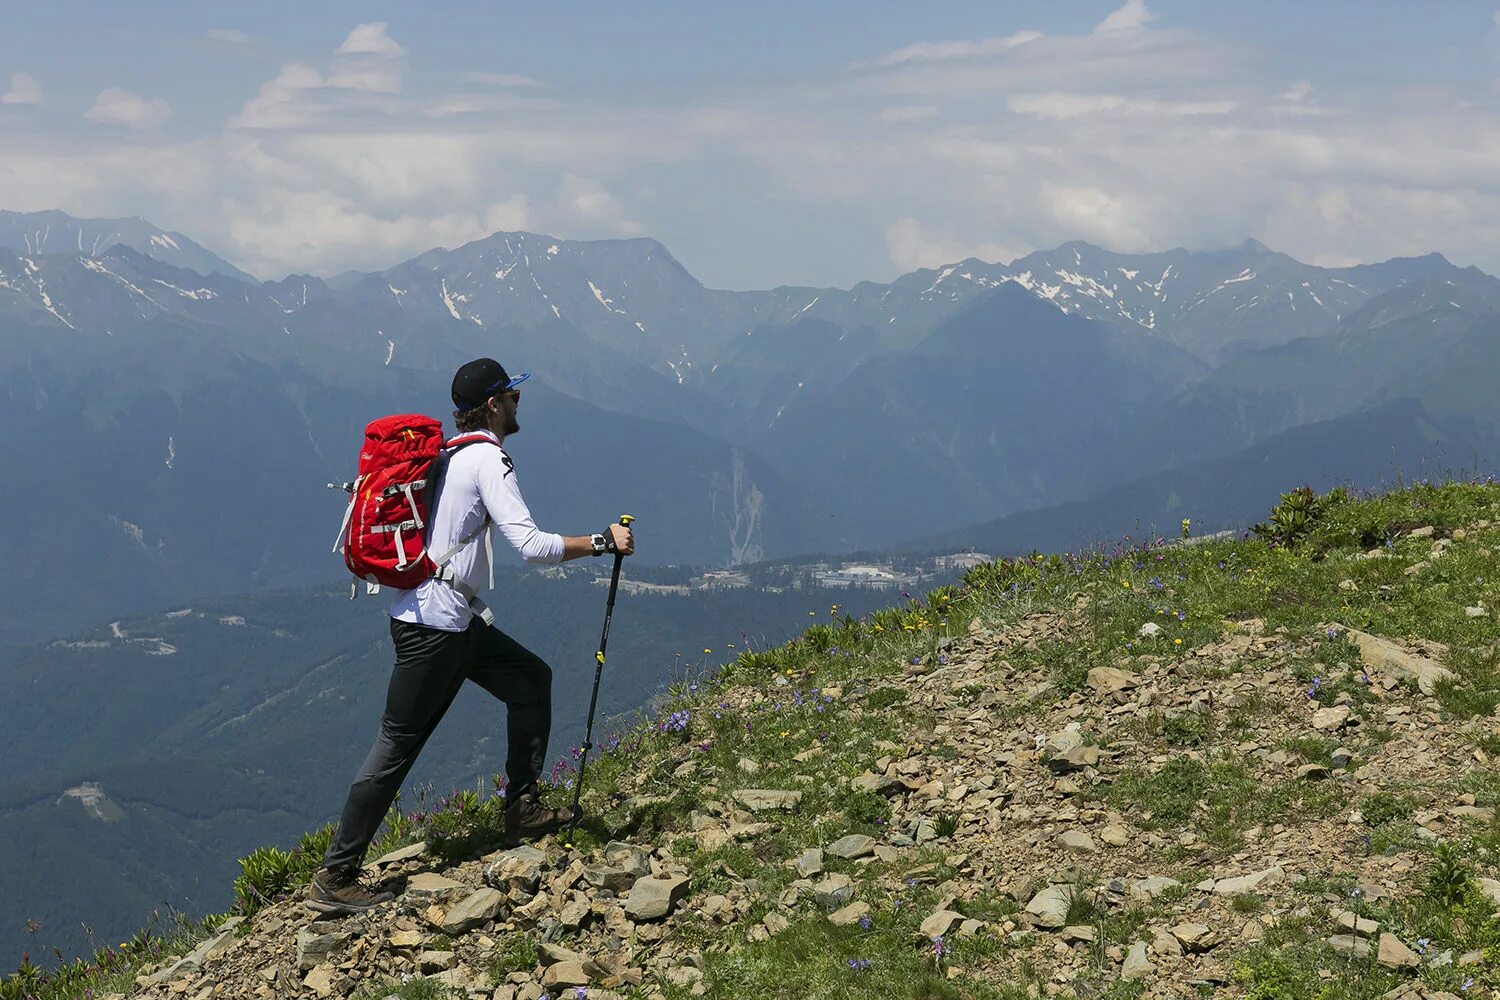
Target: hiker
441,641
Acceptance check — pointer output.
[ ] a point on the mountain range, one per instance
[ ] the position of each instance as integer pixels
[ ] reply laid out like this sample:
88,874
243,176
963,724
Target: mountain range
178,420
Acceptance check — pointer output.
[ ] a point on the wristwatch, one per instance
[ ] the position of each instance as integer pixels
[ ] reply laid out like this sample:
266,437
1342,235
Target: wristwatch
601,544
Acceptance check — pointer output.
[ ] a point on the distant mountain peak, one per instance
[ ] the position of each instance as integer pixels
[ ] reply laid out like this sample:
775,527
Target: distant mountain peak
53,232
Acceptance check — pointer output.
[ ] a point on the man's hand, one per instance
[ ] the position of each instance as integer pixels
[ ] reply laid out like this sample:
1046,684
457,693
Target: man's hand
623,540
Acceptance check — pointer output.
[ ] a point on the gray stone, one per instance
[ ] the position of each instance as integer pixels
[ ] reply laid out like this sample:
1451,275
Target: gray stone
1193,937
855,845
850,914
834,891
408,853
1077,841
565,974
880,784
436,961
518,869
475,909
313,949
809,863
940,922
1109,680
1049,908
1137,965
1332,719
1249,883
629,857
654,898
431,885
1383,655
614,879
766,799
1392,954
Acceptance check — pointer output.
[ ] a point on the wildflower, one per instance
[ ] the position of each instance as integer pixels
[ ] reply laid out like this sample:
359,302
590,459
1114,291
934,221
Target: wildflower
865,922
1422,944
785,733
937,947
1177,642
942,658
916,660
1468,984
1125,584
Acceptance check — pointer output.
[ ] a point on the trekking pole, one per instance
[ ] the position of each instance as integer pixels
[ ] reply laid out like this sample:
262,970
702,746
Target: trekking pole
609,610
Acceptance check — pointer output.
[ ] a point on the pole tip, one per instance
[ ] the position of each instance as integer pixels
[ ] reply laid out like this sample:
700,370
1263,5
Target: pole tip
625,519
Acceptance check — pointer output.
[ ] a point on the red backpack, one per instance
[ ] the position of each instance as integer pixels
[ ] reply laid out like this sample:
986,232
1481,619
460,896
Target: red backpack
384,534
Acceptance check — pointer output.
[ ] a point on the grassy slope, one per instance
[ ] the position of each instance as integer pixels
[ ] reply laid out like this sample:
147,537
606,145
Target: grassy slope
1200,774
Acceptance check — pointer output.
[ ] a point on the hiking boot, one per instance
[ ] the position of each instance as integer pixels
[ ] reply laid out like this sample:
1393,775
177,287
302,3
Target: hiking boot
339,890
527,819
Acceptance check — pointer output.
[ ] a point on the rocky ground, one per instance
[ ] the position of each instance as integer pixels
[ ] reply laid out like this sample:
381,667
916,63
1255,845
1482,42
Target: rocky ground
1026,808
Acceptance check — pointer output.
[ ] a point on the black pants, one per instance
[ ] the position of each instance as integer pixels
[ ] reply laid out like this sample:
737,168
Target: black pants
431,666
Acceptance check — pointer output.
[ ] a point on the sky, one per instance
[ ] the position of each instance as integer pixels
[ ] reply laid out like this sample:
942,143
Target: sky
767,144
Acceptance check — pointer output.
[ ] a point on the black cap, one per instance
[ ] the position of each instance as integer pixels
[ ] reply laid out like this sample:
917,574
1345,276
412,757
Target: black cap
477,381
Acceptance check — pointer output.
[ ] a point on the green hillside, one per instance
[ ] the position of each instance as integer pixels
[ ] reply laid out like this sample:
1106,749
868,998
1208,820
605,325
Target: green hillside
1258,767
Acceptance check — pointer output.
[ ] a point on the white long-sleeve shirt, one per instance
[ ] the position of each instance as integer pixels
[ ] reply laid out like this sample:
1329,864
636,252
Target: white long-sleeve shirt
477,483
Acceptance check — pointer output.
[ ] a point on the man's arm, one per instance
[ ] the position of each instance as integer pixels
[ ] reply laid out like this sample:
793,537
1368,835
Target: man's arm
583,545
508,510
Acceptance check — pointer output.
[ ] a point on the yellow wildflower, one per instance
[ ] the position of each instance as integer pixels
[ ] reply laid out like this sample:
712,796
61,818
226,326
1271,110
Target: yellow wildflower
1125,584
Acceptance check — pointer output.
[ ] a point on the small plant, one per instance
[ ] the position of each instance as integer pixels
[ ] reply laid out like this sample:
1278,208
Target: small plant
946,825
1383,807
1448,881
264,876
517,953
883,698
1294,519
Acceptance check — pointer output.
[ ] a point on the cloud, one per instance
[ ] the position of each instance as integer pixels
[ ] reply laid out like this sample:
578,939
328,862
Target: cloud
24,89
503,80
1058,105
1297,92
908,113
587,205
114,106
1132,15
370,39
912,247
283,102
988,147
229,36
939,51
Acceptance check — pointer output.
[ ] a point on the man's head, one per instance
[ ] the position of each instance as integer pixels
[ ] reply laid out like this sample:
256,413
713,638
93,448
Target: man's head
486,397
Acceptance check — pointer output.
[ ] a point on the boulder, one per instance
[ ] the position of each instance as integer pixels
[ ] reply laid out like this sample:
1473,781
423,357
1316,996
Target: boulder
834,891
940,923
809,863
314,949
653,898
855,845
1384,655
767,799
1049,908
1137,965
1393,954
851,914
518,869
474,910
1331,719
1249,883
1077,841
1110,680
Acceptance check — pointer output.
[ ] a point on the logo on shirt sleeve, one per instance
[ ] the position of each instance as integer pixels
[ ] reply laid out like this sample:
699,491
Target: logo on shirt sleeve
509,468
